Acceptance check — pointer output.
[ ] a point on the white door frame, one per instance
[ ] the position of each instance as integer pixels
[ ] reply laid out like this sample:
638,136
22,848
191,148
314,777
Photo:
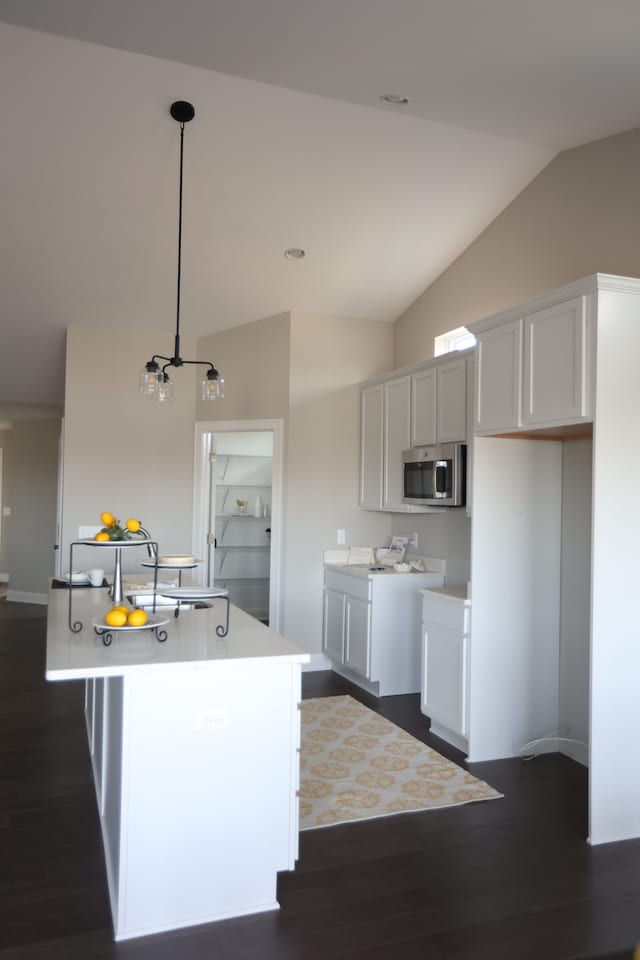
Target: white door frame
202,449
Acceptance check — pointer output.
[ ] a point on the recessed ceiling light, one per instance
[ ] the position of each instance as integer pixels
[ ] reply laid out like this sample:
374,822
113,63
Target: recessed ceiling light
294,253
395,98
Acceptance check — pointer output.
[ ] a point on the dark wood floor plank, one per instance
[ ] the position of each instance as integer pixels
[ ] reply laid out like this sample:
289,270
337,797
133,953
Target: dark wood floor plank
507,878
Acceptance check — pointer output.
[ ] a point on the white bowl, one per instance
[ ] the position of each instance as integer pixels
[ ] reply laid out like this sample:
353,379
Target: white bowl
402,567
76,576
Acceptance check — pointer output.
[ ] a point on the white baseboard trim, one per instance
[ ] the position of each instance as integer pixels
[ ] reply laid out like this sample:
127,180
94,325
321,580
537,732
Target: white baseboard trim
318,662
22,596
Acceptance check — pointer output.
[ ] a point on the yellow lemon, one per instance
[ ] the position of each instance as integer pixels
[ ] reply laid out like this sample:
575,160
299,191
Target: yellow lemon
133,525
137,618
107,519
124,609
115,618
102,535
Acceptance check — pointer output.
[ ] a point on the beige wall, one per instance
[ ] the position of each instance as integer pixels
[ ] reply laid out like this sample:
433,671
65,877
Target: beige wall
31,536
581,215
305,369
329,356
5,446
254,361
123,452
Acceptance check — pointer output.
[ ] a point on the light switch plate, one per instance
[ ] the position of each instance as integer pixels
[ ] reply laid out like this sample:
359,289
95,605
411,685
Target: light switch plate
88,531
6,511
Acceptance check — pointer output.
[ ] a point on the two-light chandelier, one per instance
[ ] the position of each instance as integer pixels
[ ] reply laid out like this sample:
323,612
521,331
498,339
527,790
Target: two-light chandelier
154,380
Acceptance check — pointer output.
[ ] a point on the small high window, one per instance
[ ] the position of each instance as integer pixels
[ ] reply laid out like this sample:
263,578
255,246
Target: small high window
458,339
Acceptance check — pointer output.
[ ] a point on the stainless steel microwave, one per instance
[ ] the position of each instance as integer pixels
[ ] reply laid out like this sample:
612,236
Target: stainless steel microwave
435,476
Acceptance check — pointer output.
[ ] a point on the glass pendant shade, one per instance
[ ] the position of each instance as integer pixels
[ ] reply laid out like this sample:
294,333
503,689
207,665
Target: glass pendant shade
149,380
212,386
165,389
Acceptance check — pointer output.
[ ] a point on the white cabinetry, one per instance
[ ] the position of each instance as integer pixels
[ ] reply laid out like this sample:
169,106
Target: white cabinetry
555,364
439,404
498,379
371,447
533,369
397,437
418,406
445,663
371,627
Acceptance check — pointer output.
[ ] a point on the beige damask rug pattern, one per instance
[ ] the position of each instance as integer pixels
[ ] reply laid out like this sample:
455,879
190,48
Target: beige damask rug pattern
357,765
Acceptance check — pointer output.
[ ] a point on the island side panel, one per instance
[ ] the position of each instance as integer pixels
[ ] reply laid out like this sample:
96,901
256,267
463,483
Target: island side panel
210,768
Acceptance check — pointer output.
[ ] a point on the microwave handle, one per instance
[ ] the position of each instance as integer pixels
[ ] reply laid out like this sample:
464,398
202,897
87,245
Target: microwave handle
439,469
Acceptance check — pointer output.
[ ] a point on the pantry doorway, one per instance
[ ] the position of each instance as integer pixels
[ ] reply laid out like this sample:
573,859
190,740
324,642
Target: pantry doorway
237,512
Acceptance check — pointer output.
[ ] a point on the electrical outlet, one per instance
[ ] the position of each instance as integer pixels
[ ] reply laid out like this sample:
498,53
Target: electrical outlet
214,719
413,541
342,537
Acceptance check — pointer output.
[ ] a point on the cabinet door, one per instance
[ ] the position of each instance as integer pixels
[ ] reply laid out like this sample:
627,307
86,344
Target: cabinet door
444,681
423,408
555,364
358,635
397,437
371,447
452,401
333,625
498,378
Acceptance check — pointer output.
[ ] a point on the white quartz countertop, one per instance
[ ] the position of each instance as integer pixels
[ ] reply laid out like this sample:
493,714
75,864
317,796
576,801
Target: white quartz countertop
191,639
364,572
458,594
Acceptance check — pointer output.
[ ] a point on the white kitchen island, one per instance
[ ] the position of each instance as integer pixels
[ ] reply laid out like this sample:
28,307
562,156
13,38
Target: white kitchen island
194,744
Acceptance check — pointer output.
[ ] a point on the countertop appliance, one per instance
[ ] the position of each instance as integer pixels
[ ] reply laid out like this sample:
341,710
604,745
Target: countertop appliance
435,476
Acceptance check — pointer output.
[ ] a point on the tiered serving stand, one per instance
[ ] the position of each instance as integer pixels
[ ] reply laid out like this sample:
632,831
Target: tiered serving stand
187,594
102,629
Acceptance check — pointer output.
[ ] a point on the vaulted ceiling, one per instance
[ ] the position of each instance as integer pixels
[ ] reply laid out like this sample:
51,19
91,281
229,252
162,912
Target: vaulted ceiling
291,146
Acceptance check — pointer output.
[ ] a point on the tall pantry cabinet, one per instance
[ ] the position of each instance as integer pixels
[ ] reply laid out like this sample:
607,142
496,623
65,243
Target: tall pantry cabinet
556,535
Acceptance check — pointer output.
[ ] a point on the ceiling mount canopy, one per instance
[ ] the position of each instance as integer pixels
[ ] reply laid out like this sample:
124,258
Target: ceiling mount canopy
154,380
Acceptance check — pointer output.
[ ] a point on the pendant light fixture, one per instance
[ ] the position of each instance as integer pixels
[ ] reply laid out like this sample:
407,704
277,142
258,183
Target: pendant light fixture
154,380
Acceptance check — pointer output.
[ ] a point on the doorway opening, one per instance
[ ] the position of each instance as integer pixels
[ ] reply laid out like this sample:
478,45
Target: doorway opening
237,515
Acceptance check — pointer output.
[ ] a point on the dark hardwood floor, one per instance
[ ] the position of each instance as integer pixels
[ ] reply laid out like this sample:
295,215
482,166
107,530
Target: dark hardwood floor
508,878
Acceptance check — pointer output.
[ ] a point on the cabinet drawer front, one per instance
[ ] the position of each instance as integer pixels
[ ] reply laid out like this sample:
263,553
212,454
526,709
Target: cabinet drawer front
343,583
445,613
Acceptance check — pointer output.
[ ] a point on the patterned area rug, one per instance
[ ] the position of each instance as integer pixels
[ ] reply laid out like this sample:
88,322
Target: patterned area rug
356,765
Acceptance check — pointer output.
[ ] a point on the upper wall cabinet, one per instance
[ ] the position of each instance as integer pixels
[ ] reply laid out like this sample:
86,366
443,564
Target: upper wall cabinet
534,370
418,406
439,404
397,437
371,447
555,372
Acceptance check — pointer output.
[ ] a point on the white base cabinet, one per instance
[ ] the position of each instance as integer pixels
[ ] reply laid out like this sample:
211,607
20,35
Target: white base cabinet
177,756
445,663
371,627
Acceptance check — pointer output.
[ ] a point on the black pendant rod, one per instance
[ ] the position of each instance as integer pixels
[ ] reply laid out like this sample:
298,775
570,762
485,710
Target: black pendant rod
183,112
176,346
